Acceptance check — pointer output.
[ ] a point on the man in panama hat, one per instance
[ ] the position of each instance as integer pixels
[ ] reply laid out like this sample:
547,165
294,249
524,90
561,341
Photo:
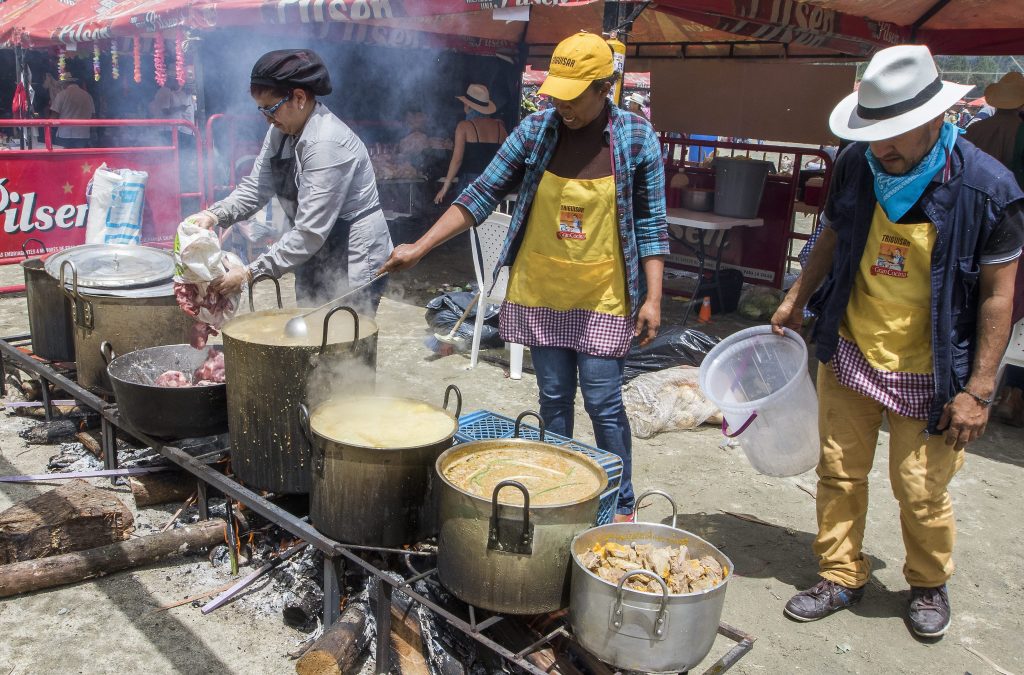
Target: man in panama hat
916,342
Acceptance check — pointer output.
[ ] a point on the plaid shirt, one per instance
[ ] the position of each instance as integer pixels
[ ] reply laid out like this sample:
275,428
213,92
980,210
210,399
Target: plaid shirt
639,186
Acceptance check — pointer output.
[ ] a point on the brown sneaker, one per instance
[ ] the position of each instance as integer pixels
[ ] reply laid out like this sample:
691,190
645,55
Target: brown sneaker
929,612
822,599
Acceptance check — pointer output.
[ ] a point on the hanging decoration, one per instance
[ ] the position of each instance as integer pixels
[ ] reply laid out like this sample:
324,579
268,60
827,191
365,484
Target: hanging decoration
62,71
115,71
159,67
179,59
137,55
96,62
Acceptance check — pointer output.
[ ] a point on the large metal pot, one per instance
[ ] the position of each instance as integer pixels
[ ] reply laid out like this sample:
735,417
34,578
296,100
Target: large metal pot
269,450
166,412
49,310
634,630
376,496
129,319
509,558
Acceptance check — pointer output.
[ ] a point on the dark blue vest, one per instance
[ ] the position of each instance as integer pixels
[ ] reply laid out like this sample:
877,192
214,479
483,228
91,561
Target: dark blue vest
964,210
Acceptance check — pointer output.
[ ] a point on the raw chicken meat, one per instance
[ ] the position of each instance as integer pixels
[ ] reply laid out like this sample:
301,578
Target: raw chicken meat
173,378
212,370
209,373
216,307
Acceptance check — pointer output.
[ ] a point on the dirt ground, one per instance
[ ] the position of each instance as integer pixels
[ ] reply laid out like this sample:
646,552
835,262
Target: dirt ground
112,625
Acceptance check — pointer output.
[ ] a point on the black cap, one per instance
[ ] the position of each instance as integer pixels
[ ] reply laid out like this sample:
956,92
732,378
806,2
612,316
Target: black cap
292,68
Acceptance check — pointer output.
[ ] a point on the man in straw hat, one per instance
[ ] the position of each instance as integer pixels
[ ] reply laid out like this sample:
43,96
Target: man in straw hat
1002,134
914,337
586,242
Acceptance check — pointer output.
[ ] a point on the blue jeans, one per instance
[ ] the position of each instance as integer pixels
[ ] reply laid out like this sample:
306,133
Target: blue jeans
600,378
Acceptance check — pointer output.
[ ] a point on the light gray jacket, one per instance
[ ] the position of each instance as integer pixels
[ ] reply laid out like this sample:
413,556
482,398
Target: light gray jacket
335,180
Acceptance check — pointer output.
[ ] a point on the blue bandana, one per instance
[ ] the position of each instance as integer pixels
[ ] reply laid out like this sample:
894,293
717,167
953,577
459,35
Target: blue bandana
474,114
897,194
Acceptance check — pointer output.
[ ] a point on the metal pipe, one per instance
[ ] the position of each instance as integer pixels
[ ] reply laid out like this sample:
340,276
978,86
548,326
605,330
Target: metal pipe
382,616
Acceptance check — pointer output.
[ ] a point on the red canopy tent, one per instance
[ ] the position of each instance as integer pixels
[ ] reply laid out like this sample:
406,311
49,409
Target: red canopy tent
745,28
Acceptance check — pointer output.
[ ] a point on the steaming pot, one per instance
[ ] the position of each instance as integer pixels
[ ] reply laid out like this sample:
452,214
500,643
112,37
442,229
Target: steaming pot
505,557
49,311
268,381
122,295
376,496
635,630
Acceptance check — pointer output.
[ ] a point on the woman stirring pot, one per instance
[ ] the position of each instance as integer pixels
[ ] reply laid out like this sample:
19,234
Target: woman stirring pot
586,242
321,173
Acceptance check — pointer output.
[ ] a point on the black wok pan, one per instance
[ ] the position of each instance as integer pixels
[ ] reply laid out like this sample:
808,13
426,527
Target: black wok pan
166,412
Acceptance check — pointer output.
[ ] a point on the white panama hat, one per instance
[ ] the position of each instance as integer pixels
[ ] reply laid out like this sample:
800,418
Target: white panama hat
901,90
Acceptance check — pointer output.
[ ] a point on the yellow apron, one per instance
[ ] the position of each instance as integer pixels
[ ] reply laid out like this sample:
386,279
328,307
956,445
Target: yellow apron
570,257
889,313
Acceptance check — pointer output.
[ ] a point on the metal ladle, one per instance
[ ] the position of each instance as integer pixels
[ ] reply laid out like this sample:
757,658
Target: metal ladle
296,326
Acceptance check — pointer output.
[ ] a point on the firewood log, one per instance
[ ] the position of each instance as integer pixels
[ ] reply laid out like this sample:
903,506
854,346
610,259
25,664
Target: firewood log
340,646
161,488
73,517
32,575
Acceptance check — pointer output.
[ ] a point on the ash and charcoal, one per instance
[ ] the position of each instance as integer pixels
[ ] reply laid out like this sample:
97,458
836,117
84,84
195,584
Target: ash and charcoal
72,457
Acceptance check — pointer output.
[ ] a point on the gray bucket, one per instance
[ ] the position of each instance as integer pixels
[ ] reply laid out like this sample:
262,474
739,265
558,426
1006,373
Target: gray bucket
739,184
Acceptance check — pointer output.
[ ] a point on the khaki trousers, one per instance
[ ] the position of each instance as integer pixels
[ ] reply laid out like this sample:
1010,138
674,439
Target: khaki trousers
920,468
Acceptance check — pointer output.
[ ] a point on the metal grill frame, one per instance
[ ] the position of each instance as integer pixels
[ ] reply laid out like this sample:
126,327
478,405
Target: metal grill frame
15,350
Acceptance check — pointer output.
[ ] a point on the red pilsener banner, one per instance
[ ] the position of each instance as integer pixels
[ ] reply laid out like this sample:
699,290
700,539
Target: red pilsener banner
43,195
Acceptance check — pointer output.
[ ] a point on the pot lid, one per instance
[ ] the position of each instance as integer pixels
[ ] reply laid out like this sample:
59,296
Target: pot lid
114,266
155,291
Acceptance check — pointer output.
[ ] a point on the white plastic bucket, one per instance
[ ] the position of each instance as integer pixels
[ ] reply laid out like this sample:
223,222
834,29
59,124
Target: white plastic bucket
760,382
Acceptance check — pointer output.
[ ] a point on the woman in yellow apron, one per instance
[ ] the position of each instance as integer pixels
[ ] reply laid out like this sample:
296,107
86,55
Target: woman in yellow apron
586,242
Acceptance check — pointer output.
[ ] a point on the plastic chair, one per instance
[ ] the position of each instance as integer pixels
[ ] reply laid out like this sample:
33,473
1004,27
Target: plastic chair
486,241
1014,354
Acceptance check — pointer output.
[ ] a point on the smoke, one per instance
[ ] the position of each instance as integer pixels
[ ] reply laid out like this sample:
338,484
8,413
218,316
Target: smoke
380,92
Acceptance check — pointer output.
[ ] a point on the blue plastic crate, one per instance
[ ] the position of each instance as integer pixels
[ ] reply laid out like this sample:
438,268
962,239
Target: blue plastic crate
481,425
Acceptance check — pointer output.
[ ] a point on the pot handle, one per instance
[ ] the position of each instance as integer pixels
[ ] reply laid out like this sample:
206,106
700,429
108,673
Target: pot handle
73,294
659,622
24,245
530,413
107,352
314,449
675,509
458,399
521,544
277,287
327,320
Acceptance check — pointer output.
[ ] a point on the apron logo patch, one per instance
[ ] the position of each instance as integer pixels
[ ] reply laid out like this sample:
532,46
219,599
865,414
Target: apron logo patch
570,222
892,257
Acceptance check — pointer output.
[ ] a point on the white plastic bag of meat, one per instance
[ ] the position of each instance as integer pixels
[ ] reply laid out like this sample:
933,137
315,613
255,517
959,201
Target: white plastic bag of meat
667,400
199,260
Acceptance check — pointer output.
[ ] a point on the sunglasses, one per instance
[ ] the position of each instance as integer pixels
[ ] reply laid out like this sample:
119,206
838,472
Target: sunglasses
269,111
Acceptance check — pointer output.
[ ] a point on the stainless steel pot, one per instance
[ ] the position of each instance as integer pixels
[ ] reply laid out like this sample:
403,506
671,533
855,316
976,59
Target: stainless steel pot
128,319
269,450
647,632
375,496
49,310
509,558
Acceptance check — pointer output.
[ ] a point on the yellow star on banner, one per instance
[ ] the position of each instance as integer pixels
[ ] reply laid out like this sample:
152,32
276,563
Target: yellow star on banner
86,168
67,188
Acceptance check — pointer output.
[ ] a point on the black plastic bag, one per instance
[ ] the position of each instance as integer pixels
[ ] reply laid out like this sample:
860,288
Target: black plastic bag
444,310
674,346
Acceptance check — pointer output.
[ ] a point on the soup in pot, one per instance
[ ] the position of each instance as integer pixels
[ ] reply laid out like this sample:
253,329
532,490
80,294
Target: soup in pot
551,477
267,328
381,422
